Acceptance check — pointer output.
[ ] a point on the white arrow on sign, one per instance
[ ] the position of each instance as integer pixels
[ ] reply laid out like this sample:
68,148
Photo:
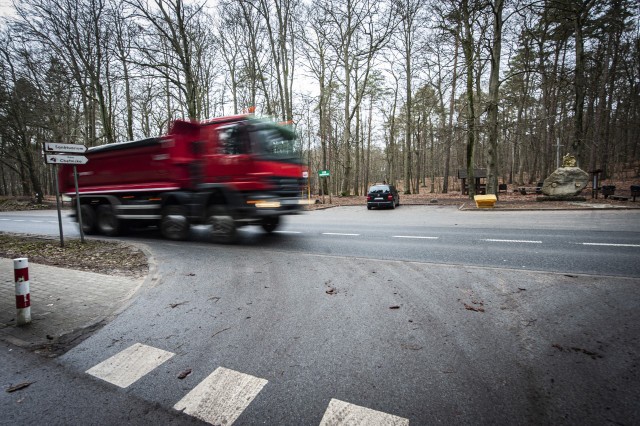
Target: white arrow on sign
66,159
65,147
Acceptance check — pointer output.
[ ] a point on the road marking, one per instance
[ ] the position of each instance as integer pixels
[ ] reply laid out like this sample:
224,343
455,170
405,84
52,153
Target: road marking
610,244
420,238
343,413
288,232
512,241
37,221
126,367
338,233
221,397
19,220
5,219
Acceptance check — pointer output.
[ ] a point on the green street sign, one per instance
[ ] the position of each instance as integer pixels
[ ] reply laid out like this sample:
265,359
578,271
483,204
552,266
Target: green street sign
323,173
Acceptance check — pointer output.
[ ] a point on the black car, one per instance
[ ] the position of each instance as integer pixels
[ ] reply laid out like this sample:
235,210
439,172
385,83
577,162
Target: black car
382,195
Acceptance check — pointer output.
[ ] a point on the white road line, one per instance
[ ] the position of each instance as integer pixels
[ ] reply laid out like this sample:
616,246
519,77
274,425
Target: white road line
221,397
512,241
343,413
125,367
415,237
610,244
19,220
338,233
37,221
287,232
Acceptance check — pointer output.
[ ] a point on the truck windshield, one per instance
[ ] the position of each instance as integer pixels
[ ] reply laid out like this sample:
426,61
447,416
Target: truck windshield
275,144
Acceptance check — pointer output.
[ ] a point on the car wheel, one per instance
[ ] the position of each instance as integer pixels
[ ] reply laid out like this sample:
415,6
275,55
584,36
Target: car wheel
368,207
107,222
223,228
88,219
174,224
270,223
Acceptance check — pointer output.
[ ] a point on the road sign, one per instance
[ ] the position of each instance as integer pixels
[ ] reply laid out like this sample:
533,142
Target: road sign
323,173
66,159
65,147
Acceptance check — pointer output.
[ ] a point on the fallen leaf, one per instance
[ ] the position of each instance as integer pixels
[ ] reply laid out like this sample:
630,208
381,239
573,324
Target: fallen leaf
331,291
184,374
473,308
394,307
19,386
174,305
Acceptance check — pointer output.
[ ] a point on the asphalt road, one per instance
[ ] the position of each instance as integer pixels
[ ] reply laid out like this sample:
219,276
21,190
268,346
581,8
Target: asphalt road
588,242
411,313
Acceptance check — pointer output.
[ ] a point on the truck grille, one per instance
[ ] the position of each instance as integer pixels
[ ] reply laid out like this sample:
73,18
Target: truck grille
288,187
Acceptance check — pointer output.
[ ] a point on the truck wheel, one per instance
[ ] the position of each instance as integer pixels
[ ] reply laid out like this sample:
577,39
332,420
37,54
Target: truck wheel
270,223
88,219
174,224
107,222
223,228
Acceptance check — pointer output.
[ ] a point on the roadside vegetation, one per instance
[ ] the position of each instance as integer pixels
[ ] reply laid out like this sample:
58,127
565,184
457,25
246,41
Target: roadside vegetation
104,257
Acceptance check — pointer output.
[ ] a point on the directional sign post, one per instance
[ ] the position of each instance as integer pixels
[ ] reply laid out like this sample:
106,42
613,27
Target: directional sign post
65,147
65,159
56,154
323,174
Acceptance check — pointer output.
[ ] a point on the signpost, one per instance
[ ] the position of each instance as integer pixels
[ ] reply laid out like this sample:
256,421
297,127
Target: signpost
65,147
324,174
56,153
66,159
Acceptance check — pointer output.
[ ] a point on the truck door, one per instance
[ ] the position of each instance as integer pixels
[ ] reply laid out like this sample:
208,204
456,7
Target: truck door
231,162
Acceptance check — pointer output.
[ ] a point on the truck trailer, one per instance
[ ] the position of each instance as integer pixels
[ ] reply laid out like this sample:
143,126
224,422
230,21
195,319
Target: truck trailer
226,172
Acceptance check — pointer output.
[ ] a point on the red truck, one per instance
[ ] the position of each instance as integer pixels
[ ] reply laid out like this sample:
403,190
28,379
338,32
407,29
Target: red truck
225,172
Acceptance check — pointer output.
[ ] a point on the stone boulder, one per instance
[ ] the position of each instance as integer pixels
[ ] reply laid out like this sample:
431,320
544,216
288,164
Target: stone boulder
565,182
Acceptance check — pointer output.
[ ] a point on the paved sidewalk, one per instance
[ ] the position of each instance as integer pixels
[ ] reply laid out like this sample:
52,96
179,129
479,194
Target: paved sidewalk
64,302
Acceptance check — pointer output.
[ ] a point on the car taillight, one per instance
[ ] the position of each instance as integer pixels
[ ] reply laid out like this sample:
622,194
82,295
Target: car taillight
390,197
368,197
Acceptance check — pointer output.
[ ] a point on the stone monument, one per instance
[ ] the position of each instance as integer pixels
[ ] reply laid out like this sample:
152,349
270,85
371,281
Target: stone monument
566,182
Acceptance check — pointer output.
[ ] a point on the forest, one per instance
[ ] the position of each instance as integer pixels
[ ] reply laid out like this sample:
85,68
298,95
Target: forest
404,91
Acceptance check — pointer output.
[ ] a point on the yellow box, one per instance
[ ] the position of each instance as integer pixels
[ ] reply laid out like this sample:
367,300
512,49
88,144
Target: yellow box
485,201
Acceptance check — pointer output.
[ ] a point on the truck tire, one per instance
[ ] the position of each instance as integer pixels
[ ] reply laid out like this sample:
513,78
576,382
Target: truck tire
107,222
88,219
174,224
223,228
270,223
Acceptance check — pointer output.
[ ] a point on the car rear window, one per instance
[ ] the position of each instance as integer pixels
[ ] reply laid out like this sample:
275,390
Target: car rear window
379,188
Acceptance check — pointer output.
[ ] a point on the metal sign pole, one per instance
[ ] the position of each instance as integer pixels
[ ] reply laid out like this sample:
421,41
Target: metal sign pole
78,212
58,204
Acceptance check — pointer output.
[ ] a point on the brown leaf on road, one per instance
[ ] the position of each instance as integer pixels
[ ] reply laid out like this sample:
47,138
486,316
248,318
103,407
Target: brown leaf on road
19,386
331,291
184,374
473,308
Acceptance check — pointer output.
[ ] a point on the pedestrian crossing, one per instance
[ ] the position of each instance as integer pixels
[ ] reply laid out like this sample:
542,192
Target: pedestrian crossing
222,396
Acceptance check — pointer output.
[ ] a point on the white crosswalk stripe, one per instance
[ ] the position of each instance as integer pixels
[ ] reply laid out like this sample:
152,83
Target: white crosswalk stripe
131,364
221,397
342,413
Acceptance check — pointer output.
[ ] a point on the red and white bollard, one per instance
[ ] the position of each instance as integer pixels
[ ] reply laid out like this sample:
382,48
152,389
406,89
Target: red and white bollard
23,296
